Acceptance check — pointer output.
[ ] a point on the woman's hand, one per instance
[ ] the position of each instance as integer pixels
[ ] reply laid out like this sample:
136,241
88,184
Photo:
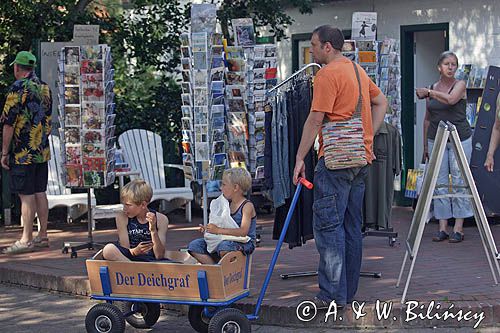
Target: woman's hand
489,163
422,93
425,155
142,248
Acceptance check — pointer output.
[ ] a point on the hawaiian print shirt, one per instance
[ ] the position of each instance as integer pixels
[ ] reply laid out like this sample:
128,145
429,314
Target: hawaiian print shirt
28,108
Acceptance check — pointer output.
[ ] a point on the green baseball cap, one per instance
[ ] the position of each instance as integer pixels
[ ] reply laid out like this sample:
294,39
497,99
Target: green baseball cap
25,58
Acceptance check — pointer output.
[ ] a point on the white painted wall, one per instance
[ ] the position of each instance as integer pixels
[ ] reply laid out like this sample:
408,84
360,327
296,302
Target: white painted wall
474,24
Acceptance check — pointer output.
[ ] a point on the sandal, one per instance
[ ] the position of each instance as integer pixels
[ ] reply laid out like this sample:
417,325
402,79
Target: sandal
19,247
456,237
441,236
41,241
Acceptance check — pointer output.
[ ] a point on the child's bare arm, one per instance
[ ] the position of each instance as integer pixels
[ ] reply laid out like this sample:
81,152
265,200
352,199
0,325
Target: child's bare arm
160,236
248,212
121,226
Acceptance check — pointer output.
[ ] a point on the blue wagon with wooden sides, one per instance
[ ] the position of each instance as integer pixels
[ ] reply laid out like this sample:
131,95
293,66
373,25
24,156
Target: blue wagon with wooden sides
133,291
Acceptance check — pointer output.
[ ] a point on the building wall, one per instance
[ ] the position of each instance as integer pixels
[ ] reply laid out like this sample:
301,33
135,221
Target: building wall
474,25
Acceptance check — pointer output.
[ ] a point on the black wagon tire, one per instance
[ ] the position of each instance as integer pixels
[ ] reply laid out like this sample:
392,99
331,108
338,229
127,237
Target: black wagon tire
145,315
104,318
199,322
229,320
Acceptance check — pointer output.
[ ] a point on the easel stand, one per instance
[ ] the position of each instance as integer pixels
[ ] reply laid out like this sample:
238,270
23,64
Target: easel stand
445,132
89,245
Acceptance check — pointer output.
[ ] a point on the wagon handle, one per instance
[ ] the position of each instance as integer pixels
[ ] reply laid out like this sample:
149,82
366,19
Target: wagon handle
301,182
306,183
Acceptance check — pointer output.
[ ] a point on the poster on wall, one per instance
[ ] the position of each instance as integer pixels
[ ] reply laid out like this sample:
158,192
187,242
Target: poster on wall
364,25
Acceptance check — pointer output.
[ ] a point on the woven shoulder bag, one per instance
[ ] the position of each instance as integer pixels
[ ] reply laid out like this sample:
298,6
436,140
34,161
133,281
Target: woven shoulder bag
343,141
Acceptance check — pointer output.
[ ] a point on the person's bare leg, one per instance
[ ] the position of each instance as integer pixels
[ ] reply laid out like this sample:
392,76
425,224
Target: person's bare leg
111,252
28,209
443,225
42,210
459,226
203,258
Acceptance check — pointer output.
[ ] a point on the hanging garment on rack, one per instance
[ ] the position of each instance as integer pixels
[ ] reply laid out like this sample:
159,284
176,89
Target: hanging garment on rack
298,103
379,193
268,151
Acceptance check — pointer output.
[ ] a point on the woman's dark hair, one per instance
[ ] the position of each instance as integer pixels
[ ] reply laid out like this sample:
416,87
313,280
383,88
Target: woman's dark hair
446,54
327,33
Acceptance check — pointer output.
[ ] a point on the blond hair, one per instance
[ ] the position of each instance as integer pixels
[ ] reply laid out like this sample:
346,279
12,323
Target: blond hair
240,177
137,191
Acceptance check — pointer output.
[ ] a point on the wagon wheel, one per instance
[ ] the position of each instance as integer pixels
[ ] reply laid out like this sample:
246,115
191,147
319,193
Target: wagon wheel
104,318
197,318
140,314
229,321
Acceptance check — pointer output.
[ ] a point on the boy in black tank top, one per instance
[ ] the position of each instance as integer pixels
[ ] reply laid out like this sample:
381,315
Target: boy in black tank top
142,232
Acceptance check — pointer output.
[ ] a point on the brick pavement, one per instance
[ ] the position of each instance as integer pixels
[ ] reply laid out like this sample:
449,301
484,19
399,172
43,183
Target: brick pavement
444,272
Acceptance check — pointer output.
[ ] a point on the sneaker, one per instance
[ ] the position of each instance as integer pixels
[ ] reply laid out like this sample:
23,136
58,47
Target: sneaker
19,247
41,241
456,237
441,236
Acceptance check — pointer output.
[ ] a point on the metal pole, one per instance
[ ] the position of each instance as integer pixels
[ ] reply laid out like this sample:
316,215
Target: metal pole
402,269
277,249
90,222
205,202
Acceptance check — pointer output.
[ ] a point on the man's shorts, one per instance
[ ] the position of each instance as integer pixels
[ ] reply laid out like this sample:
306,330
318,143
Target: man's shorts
28,179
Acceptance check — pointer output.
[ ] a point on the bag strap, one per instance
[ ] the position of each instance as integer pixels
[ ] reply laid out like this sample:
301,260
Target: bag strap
357,111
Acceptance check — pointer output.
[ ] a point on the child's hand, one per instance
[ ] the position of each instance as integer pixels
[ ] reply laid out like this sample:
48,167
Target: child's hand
151,218
142,248
202,228
212,228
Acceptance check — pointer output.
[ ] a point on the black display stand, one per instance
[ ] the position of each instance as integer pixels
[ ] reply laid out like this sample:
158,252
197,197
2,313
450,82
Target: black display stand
90,244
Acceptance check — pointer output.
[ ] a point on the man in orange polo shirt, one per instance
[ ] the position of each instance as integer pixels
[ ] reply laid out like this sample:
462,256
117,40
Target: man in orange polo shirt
338,194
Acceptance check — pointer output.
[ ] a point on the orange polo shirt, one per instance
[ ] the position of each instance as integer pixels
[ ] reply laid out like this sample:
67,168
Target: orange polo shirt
336,94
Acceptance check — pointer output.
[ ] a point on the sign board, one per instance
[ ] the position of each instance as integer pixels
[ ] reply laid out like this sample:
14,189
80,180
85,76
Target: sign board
364,25
164,280
49,54
86,34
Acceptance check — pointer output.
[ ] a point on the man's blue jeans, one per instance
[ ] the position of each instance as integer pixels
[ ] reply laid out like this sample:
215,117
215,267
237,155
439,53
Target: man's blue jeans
337,219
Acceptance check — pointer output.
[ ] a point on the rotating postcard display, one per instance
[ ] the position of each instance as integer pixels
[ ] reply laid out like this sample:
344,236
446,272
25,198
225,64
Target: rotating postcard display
86,115
381,62
203,115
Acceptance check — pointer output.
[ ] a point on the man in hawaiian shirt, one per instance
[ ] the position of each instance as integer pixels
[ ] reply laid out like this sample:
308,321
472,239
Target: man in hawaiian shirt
26,120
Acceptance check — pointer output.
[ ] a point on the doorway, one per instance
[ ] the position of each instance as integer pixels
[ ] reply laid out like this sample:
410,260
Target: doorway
420,48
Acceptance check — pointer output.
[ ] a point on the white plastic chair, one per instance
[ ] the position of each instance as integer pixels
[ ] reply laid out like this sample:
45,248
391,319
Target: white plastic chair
144,152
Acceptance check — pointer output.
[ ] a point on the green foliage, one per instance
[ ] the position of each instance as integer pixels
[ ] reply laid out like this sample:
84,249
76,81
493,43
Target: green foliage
265,13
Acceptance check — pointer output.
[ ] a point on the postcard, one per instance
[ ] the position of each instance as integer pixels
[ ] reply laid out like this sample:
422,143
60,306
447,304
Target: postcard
243,31
74,175
72,95
73,154
72,116
186,99
201,151
72,135
91,66
219,148
72,55
91,52
186,111
93,178
186,63
270,51
200,96
200,60
184,39
200,78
